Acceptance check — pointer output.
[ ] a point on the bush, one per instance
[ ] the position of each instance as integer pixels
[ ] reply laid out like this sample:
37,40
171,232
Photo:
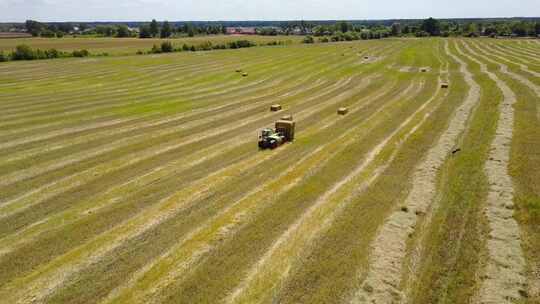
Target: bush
155,49
3,58
308,39
324,40
185,47
81,53
167,47
23,52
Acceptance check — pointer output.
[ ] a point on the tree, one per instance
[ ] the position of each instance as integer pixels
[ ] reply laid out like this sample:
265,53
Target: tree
431,26
166,30
396,29
23,52
144,31
35,28
537,28
343,26
154,28
122,31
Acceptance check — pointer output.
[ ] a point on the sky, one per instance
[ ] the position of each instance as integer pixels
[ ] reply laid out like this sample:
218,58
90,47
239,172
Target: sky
210,10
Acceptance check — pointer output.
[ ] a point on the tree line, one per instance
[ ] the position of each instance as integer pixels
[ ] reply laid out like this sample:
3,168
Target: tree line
420,28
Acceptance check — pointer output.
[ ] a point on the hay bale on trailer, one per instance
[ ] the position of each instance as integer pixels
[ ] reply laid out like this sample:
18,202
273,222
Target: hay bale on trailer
444,85
287,117
343,111
275,108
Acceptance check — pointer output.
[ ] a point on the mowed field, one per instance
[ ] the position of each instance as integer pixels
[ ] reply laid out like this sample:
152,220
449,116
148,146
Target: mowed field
137,179
130,46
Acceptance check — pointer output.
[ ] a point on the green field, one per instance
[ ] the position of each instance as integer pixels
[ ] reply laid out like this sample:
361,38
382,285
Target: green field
137,179
129,46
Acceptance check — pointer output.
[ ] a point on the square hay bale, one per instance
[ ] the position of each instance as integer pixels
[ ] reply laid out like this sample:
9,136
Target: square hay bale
275,108
342,111
287,117
444,85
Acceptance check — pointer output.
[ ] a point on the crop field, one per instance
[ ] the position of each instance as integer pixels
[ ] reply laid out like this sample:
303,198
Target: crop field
129,46
137,179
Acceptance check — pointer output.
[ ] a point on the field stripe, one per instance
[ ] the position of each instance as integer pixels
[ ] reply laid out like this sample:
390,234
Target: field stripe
504,279
144,221
390,245
316,159
272,268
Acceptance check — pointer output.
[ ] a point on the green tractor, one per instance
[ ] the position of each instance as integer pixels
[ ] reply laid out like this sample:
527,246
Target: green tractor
271,139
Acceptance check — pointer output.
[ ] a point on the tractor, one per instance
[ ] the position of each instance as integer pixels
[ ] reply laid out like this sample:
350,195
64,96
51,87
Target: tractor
273,138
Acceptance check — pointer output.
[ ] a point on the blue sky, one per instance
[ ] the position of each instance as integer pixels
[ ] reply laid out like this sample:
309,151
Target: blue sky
140,10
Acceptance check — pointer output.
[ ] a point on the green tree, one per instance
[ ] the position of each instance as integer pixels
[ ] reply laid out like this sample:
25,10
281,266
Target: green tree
35,28
537,28
23,52
122,31
144,31
166,30
396,29
154,28
431,26
343,26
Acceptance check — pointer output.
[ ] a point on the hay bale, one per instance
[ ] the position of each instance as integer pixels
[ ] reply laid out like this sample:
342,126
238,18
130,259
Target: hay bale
423,70
287,117
275,108
342,111
366,57
244,74
238,70
444,85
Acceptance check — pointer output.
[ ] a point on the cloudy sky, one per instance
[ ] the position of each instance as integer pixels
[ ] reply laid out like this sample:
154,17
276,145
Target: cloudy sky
140,10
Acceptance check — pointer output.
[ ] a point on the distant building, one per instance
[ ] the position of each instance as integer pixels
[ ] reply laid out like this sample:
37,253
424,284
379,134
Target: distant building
241,31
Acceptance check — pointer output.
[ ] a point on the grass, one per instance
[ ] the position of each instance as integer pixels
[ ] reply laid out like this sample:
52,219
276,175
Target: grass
130,46
129,179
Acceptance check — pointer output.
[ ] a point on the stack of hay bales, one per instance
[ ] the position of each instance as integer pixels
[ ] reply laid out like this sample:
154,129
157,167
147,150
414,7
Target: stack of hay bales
343,111
275,108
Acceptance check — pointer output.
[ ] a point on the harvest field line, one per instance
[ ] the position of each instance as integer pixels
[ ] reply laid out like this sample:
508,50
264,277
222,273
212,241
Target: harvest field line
504,69
500,56
319,216
503,280
300,116
146,226
329,148
137,179
389,247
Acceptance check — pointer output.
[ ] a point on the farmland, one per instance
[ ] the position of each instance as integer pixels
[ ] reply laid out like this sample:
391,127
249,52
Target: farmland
129,46
137,179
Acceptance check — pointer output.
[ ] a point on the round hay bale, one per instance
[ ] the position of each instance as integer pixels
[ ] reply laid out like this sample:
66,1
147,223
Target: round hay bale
444,85
244,74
